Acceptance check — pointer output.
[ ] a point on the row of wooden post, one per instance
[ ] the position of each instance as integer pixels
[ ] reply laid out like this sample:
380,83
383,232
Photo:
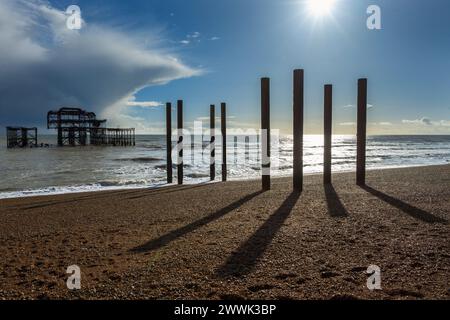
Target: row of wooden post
298,117
298,109
212,166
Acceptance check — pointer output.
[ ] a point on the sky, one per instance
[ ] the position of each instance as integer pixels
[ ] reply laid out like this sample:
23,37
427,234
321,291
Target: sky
131,57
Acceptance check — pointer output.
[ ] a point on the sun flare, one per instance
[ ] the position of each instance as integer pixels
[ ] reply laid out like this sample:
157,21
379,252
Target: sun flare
320,8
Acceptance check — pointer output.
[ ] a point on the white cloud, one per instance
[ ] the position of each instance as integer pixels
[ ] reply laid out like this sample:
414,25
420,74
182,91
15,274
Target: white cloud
134,120
217,118
427,122
350,106
383,123
191,38
196,37
143,104
46,66
347,124
422,121
193,35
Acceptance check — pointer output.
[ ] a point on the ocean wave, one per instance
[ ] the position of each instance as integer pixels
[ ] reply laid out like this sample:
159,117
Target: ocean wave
153,146
56,190
116,183
197,175
144,167
140,159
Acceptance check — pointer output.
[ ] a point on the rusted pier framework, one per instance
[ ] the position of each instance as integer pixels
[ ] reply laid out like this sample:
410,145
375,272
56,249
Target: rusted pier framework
20,137
79,127
112,137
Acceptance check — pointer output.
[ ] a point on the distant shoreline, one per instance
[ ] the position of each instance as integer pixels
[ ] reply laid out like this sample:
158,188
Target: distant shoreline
290,134
57,170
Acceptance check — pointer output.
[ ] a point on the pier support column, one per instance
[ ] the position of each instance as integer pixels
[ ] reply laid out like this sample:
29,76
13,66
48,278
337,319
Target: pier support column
327,134
180,141
169,141
265,132
361,133
212,143
298,128
60,137
223,128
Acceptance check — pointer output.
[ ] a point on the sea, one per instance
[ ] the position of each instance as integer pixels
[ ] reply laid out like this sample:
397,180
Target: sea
56,170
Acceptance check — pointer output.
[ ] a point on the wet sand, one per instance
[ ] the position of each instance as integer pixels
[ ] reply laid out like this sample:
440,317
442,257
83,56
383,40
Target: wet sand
232,241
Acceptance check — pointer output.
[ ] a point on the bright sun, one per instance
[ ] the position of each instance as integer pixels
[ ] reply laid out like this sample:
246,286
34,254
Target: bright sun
319,8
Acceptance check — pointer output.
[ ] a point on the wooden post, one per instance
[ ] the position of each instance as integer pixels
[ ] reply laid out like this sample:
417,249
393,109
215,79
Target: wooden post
180,141
169,141
361,133
212,127
327,135
298,128
223,127
265,132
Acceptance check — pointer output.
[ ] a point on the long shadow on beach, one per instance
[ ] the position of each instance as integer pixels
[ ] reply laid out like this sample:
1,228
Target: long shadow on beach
136,193
405,207
170,189
247,255
335,207
173,235
90,196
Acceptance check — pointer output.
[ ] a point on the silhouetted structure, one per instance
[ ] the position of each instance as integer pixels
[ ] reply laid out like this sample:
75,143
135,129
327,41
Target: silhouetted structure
169,141
328,132
212,125
298,129
265,132
265,137
79,127
20,137
180,141
361,133
223,127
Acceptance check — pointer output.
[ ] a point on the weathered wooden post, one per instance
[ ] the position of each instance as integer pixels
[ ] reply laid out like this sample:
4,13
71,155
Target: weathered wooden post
180,141
298,128
169,141
212,143
327,134
223,128
361,133
265,132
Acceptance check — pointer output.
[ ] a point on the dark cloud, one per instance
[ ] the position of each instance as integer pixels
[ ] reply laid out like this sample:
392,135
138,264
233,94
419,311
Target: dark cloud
45,66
